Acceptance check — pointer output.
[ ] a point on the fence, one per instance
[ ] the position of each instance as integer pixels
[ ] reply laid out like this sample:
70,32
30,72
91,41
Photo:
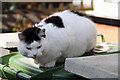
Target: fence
19,16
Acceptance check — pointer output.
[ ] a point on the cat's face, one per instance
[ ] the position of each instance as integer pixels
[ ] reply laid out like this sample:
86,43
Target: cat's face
32,42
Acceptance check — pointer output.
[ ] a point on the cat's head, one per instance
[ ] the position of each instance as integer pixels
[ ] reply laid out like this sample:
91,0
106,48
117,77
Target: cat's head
31,42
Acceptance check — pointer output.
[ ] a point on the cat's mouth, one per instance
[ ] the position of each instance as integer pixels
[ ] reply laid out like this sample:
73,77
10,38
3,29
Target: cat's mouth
34,57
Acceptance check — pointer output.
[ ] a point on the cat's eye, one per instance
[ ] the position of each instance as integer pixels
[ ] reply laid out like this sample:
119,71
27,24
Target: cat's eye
28,48
39,47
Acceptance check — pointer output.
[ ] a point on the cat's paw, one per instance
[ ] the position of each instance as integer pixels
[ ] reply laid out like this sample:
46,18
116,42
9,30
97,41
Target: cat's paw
41,66
50,64
35,61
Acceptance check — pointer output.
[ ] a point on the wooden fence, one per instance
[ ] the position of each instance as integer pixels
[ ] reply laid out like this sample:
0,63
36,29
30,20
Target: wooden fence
28,13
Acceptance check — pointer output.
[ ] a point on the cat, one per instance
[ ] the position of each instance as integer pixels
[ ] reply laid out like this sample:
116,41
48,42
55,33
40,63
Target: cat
61,35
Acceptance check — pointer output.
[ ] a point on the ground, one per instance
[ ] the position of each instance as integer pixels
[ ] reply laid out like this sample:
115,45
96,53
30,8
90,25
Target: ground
110,32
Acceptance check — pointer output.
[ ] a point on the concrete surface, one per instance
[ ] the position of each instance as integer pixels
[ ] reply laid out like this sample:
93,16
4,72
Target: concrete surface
4,51
9,40
102,66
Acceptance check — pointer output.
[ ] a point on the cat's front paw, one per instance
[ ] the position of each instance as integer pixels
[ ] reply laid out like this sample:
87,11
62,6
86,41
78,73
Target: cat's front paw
50,64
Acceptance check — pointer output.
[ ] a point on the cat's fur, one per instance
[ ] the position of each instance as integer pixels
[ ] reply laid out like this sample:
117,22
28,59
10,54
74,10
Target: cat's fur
63,34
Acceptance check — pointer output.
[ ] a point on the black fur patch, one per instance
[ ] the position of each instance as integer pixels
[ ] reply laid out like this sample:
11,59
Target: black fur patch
80,14
56,20
31,34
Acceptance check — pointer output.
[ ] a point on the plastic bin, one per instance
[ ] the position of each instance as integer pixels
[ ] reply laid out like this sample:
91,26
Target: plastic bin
15,66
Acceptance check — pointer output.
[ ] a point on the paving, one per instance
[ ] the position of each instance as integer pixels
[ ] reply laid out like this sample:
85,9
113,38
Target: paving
4,51
102,66
9,40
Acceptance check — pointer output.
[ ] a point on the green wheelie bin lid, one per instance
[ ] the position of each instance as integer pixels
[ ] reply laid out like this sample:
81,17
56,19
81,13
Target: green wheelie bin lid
15,66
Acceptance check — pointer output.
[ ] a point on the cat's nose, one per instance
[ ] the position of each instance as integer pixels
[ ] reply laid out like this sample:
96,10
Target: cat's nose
34,55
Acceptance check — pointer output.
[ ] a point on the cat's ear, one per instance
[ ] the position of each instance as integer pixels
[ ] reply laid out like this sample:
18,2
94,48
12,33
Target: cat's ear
21,36
42,33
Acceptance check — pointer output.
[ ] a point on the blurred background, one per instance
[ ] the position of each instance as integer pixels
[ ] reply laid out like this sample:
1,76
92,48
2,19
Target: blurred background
17,16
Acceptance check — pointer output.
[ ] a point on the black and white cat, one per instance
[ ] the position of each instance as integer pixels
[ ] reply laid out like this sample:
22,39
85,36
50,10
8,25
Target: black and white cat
63,34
